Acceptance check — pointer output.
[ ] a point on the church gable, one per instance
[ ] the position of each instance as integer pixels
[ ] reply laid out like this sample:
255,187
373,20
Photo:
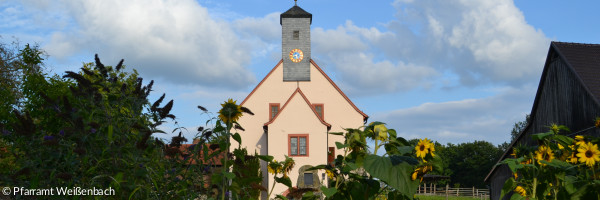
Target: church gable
297,109
272,88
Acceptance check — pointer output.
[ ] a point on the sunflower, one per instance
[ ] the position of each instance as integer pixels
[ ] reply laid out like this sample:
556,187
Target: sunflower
423,148
270,169
514,153
579,140
420,171
526,162
544,153
427,168
570,155
554,128
588,154
573,158
521,191
288,165
274,167
230,112
414,175
431,149
381,132
330,174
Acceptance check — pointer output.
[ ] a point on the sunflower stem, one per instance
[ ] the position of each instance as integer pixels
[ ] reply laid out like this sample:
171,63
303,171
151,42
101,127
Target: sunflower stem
376,147
272,187
225,159
534,186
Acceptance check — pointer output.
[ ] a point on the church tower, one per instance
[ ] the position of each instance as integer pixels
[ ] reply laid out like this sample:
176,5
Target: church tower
295,44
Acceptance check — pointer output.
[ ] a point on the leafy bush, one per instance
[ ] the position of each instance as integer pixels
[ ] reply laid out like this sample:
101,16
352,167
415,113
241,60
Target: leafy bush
93,129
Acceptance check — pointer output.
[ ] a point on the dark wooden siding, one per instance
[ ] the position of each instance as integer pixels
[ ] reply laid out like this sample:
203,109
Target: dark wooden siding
563,100
497,181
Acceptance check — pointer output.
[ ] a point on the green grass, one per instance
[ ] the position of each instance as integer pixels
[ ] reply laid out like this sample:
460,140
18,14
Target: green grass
432,197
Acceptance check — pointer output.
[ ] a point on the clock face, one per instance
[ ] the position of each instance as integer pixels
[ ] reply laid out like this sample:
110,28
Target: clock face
296,55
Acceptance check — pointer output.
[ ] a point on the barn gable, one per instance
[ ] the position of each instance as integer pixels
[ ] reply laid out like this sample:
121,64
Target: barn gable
568,94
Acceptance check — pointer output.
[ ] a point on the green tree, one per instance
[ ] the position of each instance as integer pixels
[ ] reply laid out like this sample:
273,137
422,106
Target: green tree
17,69
518,128
17,65
470,162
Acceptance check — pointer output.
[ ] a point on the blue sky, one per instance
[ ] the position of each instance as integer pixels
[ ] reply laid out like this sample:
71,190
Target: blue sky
450,70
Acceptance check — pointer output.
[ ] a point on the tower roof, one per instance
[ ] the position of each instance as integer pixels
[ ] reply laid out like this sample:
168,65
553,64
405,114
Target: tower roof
295,12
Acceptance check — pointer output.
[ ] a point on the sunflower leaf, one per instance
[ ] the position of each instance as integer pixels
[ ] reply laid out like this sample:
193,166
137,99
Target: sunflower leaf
237,137
328,191
339,145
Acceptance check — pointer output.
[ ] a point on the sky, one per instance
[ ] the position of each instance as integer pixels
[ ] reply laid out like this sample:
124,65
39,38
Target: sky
454,71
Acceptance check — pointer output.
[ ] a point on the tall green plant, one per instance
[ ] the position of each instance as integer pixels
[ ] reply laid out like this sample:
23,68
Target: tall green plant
360,174
560,167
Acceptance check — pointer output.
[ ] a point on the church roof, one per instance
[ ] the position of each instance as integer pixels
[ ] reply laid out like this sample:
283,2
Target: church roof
298,91
585,60
365,116
295,12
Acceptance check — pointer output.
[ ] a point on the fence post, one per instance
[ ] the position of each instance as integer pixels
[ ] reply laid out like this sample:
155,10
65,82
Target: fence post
473,193
431,188
446,191
457,191
434,188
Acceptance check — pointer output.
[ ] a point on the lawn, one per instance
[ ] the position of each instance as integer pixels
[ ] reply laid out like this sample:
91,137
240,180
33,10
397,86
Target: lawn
433,197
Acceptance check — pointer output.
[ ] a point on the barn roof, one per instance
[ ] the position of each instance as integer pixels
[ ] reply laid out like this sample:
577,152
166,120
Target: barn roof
584,60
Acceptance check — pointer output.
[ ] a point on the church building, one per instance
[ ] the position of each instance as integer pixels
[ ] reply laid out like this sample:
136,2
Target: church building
296,105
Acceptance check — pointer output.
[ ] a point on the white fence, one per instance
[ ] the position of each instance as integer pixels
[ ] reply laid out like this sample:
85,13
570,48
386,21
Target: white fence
447,191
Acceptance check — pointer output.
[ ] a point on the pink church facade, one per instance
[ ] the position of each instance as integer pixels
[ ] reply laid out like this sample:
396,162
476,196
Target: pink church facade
293,117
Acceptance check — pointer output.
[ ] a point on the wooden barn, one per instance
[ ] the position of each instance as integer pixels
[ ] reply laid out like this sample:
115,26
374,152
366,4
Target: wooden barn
568,94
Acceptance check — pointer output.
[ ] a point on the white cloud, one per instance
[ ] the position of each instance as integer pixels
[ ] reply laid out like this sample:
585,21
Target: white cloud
480,42
263,34
266,28
346,49
489,118
366,76
174,40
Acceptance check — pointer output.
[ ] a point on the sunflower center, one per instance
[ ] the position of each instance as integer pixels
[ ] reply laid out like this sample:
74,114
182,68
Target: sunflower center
546,156
589,154
422,148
